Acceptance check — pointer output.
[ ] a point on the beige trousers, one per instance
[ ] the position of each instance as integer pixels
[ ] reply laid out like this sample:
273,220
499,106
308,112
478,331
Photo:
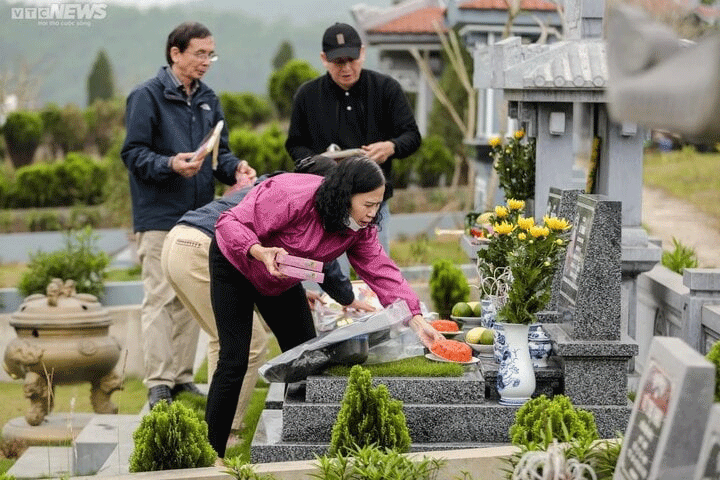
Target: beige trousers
169,333
185,263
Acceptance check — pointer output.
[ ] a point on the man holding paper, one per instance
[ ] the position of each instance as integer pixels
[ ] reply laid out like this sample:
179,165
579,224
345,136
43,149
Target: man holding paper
167,119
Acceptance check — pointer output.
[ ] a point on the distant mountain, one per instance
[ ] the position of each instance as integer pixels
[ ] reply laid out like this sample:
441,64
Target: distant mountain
247,35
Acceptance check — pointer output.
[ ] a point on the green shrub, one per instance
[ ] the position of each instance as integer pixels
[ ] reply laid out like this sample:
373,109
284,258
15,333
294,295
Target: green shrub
713,357
402,171
432,160
105,121
244,109
541,420
368,416
78,179
265,152
43,221
7,183
283,84
272,153
680,258
373,462
22,132
78,261
117,189
448,286
244,144
171,437
71,131
82,180
35,186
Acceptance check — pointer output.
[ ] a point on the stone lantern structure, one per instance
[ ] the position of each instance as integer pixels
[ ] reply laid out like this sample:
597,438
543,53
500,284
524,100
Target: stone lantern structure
553,88
62,338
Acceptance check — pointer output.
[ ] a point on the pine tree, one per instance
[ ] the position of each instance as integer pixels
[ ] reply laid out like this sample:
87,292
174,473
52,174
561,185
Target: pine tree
284,54
100,83
369,416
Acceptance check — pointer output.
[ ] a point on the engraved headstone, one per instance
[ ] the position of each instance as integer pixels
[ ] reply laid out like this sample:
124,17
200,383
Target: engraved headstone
561,204
662,440
590,290
708,466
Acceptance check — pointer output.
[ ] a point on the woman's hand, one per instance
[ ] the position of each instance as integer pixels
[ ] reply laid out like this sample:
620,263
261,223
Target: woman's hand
313,297
267,256
428,335
360,305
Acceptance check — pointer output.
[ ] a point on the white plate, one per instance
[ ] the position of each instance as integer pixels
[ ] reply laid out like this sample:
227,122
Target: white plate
432,356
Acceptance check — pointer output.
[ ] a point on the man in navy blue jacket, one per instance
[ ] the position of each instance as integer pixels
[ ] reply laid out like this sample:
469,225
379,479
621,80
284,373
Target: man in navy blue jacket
167,118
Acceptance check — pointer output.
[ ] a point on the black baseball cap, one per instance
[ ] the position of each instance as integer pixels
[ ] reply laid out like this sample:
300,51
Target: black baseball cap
341,40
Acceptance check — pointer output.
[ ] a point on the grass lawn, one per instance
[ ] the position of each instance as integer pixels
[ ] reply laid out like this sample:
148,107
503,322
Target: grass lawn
688,175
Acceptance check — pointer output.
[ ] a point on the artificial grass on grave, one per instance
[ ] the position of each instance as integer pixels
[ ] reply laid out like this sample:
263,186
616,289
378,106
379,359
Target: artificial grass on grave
406,367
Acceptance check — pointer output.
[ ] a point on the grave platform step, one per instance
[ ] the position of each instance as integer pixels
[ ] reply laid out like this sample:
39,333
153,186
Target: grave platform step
470,388
268,447
428,423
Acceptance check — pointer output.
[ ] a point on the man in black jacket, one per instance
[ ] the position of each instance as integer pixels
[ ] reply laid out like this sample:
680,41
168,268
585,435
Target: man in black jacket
352,107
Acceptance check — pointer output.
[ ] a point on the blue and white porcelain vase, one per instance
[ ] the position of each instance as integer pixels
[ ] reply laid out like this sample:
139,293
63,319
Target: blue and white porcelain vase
489,312
540,345
516,375
499,345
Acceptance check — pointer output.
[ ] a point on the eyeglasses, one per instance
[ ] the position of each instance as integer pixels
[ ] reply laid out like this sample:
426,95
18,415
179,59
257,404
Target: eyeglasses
212,56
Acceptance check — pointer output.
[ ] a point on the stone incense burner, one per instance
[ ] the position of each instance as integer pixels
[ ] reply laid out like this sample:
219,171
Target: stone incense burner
62,338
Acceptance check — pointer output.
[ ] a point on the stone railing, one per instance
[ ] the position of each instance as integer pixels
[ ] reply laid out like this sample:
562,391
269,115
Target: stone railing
685,306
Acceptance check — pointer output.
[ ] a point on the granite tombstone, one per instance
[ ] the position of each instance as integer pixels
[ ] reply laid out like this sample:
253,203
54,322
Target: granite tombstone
662,440
708,466
590,290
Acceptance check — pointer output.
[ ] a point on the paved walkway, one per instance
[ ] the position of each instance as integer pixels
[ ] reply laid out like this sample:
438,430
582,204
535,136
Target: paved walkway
666,217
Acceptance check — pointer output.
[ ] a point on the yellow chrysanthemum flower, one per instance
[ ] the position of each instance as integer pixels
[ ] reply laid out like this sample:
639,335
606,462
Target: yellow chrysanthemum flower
521,236
526,223
538,231
501,212
503,228
556,224
484,218
560,242
519,134
515,204
495,142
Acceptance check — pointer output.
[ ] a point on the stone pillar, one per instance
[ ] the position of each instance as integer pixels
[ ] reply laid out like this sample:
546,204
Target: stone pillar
704,285
554,156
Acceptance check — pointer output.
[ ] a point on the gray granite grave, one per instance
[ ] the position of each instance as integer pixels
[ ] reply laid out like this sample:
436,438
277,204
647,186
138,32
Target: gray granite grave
590,291
664,436
708,465
441,413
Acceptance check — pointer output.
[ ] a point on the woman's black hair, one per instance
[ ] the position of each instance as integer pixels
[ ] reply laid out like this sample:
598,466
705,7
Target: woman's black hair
353,175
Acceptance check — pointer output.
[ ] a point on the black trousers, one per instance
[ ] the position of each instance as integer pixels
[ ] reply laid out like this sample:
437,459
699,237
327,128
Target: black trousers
233,298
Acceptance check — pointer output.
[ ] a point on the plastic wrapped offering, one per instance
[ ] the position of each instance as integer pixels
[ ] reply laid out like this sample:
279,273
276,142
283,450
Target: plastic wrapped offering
344,345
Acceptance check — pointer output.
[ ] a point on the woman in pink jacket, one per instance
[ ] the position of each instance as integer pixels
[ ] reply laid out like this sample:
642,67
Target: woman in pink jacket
306,216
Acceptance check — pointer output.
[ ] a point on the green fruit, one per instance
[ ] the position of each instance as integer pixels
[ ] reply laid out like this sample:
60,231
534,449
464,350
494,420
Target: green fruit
487,337
462,309
474,335
476,308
